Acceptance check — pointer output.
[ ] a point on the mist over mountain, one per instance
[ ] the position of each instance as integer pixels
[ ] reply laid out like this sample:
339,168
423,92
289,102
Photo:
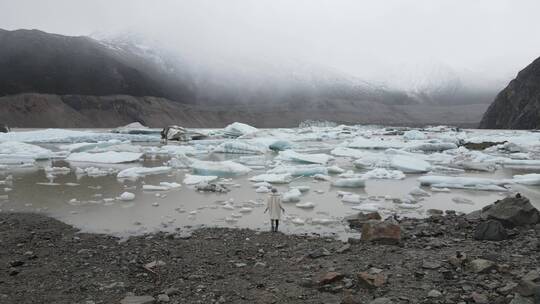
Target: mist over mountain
86,73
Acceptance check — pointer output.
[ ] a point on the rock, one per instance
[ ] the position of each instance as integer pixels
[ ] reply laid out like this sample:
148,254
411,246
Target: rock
458,259
4,128
171,291
513,211
479,298
137,300
430,265
211,187
317,253
490,231
529,284
518,299
381,301
344,248
371,280
481,265
434,294
16,263
434,212
357,221
381,232
508,288
329,277
163,298
154,264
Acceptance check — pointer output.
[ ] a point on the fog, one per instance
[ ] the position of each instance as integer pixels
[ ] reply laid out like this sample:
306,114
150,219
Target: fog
395,42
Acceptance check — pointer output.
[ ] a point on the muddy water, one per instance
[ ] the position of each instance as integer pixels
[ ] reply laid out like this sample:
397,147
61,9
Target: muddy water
84,202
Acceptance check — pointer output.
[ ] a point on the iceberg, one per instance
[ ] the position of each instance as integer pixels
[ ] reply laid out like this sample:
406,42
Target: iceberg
280,145
335,170
94,171
376,144
12,150
175,150
414,135
432,147
352,198
137,172
381,173
262,189
70,136
347,152
126,196
322,177
301,170
272,178
291,196
110,157
409,164
221,168
528,179
352,182
291,155
238,147
197,179
238,129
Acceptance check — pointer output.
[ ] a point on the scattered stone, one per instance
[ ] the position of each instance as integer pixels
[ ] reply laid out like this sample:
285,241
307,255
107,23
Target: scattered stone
381,232
479,298
491,230
529,284
430,265
371,280
16,263
154,264
344,248
163,298
381,301
434,294
137,300
458,259
329,277
518,299
508,288
481,265
320,252
434,212
171,291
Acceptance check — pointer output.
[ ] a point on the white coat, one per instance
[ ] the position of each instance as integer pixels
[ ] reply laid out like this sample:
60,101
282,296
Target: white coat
274,206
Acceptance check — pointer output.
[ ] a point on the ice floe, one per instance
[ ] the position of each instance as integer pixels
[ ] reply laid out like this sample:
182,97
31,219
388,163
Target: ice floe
137,172
110,157
197,179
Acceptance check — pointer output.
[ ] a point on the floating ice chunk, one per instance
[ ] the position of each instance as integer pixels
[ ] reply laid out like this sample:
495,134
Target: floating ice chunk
237,129
70,136
352,198
245,210
418,192
110,157
154,188
239,147
197,179
135,128
137,172
335,170
291,196
57,170
414,135
175,150
528,179
473,183
12,150
301,188
372,160
432,147
272,178
409,164
262,184
322,177
367,207
180,162
439,189
126,196
322,221
298,221
381,173
301,170
521,162
348,152
94,171
280,145
228,206
306,205
88,146
352,182
478,166
170,185
291,155
262,189
221,168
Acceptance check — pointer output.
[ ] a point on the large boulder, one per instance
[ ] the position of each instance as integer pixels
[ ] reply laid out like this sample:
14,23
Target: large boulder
381,232
491,230
356,221
513,211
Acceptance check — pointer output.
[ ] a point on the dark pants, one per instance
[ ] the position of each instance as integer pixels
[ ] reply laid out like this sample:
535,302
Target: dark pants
275,224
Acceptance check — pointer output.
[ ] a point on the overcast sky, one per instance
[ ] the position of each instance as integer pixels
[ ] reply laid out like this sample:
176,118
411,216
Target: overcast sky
380,40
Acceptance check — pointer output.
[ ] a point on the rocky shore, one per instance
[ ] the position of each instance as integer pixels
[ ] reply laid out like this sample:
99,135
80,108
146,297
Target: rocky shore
489,256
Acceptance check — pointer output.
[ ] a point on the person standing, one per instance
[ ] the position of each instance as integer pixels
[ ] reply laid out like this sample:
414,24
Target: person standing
273,205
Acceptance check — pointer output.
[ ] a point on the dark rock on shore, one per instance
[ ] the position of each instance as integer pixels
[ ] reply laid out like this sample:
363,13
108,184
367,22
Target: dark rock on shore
491,230
512,211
